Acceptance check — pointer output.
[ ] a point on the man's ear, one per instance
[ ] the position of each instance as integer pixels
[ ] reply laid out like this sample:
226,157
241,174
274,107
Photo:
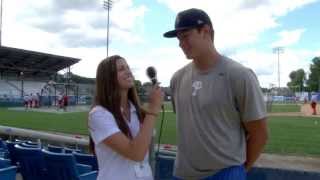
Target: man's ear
206,29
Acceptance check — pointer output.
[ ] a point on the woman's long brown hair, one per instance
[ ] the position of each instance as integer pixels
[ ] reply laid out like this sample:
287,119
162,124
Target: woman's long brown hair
107,94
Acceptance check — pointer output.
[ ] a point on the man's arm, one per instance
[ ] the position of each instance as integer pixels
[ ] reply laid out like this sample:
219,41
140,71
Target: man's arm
257,136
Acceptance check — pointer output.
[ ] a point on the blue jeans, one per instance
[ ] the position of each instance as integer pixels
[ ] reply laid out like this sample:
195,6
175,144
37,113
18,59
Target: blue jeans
230,173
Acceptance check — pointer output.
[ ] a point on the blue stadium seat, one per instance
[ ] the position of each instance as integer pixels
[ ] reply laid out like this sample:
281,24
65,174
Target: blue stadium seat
8,173
166,153
32,143
12,154
2,144
69,150
4,163
64,167
88,159
164,167
31,163
29,145
56,149
4,153
257,173
281,174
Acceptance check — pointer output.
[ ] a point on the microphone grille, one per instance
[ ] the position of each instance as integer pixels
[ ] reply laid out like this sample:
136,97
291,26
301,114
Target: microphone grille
151,72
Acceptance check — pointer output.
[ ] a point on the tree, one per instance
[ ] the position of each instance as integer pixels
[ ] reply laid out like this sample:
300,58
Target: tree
138,86
61,78
265,90
314,76
297,80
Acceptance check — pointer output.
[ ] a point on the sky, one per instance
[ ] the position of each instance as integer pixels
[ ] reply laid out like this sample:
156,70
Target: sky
245,30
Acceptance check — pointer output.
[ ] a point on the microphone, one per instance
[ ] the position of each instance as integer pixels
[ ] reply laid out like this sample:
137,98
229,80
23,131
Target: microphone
152,74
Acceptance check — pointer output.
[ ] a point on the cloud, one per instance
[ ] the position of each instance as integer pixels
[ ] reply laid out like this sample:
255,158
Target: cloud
90,58
238,22
288,38
52,24
78,38
261,62
76,4
77,23
265,64
242,23
78,29
126,15
167,60
248,4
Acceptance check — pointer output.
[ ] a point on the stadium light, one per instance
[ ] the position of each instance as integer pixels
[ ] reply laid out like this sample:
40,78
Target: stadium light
278,50
107,5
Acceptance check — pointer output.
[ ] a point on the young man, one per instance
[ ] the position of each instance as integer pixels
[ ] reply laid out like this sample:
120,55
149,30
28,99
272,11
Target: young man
314,104
221,114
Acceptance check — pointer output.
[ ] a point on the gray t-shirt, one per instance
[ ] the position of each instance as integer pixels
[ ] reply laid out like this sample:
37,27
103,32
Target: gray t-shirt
210,109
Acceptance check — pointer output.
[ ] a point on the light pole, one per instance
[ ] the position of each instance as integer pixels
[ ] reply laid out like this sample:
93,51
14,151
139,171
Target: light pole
306,76
107,4
278,51
1,8
21,76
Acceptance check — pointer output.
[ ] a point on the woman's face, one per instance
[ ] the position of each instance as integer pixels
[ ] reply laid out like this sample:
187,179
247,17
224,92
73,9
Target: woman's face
124,75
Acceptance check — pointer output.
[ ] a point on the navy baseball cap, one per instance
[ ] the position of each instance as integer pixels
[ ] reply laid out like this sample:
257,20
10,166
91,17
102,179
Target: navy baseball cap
188,19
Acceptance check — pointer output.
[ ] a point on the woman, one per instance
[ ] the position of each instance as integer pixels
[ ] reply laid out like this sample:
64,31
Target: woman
120,130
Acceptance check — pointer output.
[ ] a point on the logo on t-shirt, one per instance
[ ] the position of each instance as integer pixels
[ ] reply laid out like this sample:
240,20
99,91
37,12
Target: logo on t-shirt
196,85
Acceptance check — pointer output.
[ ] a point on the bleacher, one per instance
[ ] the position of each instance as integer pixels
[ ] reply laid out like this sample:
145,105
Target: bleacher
7,90
25,72
14,88
35,161
29,86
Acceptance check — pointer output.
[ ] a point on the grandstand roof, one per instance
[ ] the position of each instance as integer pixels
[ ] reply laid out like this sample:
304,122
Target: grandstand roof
31,63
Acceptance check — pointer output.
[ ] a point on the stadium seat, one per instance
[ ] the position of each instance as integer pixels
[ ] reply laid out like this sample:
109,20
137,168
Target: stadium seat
88,159
8,173
257,173
56,149
281,174
29,145
4,153
69,150
166,153
12,154
164,167
19,141
2,144
64,167
31,163
32,143
4,163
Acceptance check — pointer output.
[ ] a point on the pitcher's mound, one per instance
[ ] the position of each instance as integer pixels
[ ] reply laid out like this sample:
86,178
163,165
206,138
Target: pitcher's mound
307,110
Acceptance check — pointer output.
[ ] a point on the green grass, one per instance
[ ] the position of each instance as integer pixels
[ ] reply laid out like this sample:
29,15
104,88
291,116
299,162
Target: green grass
168,106
288,135
294,135
285,108
74,123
